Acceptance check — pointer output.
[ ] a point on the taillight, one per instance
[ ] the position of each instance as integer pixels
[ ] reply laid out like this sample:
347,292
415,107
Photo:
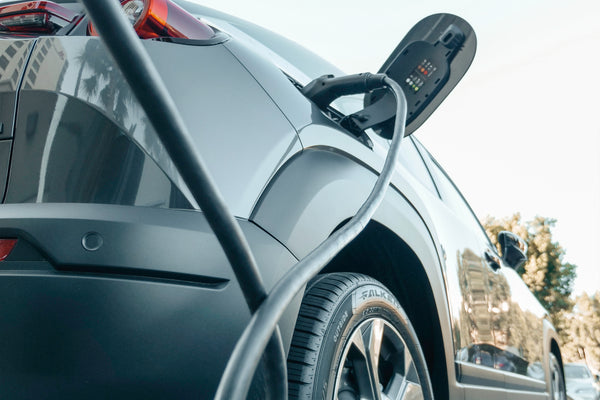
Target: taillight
162,18
6,246
37,17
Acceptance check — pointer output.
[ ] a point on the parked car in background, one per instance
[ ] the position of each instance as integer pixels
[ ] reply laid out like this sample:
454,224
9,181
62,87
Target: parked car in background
112,284
581,383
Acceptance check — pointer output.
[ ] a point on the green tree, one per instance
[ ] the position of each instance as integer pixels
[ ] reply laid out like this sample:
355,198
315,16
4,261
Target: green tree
547,276
581,331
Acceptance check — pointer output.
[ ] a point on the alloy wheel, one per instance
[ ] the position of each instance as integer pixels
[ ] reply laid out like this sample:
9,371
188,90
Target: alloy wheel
376,364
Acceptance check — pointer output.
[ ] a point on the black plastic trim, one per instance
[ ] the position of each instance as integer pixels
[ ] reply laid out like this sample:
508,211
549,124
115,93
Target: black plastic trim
15,112
206,282
471,374
218,38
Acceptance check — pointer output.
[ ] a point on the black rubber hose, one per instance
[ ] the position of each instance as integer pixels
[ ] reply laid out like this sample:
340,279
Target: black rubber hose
136,65
246,355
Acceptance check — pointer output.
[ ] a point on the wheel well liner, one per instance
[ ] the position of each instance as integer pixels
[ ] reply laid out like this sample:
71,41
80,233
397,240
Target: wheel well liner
555,349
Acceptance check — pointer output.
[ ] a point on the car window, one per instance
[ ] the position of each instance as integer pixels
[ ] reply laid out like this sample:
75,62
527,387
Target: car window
576,372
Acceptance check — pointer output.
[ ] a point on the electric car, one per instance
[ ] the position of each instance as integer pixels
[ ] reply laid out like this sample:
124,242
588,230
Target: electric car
112,283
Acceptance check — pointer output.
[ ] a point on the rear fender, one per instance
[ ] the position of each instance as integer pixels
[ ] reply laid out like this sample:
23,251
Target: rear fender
319,189
72,79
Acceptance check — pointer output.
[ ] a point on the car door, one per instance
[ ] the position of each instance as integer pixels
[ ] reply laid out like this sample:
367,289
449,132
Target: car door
475,285
497,323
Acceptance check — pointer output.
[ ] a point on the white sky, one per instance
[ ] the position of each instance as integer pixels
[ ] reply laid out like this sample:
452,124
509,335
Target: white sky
520,132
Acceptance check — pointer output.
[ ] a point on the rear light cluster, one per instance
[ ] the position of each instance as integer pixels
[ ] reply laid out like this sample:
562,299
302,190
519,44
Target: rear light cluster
162,18
150,18
34,17
6,246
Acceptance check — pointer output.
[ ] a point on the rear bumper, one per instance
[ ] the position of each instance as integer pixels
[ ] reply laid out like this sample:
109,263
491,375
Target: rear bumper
154,311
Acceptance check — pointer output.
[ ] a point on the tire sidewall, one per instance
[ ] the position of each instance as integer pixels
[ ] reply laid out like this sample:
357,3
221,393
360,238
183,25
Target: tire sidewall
365,301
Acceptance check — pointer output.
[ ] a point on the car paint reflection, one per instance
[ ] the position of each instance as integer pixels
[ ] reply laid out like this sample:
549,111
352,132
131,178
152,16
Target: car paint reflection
503,330
81,68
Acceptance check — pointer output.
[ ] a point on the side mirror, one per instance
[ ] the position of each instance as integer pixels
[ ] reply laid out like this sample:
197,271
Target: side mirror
428,63
513,248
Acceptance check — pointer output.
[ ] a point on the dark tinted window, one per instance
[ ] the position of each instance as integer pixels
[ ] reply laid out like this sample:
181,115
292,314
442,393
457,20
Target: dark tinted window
68,152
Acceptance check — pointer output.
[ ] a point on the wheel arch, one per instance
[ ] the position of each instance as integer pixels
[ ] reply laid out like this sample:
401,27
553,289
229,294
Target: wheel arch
317,191
555,349
380,254
551,346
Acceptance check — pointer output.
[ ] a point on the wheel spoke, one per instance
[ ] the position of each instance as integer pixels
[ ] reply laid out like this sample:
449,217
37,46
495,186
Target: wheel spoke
403,388
373,335
413,392
396,388
379,365
358,343
367,352
410,371
364,347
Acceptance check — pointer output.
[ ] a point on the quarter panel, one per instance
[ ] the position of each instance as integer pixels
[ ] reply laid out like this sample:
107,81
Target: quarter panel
66,151
241,134
313,194
239,131
288,98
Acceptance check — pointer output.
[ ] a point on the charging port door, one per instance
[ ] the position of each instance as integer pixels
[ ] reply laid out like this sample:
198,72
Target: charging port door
428,63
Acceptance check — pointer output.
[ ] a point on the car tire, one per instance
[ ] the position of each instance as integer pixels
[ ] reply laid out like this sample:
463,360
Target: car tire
558,389
353,340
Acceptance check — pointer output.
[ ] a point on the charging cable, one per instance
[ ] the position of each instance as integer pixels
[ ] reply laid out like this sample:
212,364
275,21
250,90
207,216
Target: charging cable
242,363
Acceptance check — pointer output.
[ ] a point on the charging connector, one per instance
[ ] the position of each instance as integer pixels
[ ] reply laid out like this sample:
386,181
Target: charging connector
325,89
249,348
